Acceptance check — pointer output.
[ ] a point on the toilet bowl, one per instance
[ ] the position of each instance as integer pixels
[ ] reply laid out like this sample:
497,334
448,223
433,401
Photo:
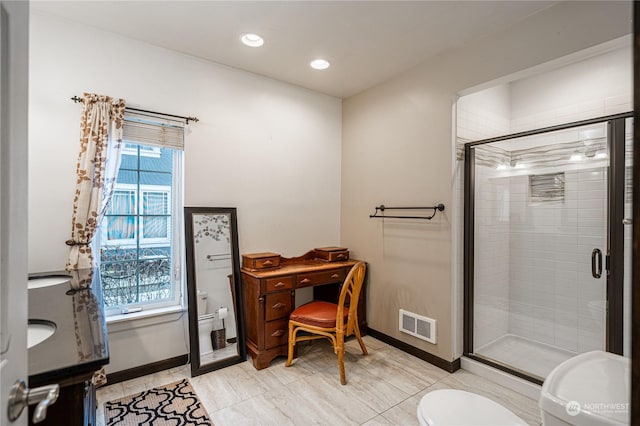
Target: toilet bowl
205,325
589,389
457,407
202,303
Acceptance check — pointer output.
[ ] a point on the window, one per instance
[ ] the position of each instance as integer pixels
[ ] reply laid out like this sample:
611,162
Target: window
155,208
140,235
119,219
155,217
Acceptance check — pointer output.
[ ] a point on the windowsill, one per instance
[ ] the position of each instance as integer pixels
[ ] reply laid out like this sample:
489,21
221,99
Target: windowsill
114,319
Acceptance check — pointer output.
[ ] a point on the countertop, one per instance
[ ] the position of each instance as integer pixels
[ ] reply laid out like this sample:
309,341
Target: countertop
294,265
301,267
79,344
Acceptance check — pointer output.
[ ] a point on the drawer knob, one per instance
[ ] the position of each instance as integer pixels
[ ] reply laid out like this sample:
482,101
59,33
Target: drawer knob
279,284
277,333
267,263
278,305
335,276
304,281
340,256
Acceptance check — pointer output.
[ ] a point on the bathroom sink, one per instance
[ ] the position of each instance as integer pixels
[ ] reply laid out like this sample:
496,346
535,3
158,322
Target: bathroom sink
38,331
38,282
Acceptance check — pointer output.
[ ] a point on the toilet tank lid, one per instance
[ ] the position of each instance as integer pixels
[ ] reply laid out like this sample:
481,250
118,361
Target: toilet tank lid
596,385
458,407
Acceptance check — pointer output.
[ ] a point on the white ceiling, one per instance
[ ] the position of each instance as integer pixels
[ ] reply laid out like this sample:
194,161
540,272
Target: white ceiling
367,42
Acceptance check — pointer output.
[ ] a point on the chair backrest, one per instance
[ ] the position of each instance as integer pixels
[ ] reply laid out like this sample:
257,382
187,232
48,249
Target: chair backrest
350,293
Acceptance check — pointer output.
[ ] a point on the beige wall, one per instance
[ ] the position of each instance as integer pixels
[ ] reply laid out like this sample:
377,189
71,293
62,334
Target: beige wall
252,148
397,150
260,145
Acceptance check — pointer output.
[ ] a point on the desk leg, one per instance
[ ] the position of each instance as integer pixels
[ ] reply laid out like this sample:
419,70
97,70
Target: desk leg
262,359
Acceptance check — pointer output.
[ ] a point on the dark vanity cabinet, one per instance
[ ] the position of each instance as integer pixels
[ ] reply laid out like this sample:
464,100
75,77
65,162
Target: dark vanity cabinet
75,351
76,405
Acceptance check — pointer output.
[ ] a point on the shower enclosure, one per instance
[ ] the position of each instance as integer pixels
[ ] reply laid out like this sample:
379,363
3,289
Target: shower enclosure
545,227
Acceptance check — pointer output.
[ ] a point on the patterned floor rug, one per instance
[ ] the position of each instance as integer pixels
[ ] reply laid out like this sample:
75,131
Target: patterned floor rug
175,404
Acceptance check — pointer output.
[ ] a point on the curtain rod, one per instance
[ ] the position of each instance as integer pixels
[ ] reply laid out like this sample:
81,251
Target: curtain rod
77,99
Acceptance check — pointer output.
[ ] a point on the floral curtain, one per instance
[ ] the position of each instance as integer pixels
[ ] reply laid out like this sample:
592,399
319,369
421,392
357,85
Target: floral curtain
98,162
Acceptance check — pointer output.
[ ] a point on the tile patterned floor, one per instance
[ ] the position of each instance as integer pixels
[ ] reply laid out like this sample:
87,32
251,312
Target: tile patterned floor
383,388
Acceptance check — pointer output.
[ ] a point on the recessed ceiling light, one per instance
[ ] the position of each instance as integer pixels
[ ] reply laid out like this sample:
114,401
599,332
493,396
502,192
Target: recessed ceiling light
252,40
319,64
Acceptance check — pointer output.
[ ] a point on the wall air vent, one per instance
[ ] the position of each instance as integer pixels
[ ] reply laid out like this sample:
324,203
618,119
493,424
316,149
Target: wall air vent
418,326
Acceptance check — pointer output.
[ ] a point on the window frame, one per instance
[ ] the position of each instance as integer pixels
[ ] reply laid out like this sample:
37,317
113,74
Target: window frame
145,190
174,240
139,222
104,235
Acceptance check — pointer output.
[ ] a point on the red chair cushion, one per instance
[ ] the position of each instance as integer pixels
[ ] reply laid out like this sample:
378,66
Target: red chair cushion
318,314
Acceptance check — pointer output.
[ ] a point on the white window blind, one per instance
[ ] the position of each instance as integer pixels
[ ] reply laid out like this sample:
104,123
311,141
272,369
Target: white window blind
153,131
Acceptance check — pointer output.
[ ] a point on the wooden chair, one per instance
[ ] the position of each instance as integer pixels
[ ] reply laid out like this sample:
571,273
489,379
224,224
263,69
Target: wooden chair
330,321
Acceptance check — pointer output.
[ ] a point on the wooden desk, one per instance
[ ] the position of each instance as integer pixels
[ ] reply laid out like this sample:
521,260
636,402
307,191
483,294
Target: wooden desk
269,298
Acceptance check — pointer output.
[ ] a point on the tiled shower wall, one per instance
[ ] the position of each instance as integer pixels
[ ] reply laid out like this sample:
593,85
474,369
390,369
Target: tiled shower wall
491,258
553,298
533,261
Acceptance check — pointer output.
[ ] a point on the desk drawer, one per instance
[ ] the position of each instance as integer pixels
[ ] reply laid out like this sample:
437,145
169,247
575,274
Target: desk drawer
278,305
322,277
276,333
331,254
257,261
277,284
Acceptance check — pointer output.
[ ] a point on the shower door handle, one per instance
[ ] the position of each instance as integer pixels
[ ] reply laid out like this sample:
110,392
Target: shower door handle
596,263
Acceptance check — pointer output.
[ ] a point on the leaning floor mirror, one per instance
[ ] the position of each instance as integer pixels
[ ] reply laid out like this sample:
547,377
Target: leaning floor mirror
213,284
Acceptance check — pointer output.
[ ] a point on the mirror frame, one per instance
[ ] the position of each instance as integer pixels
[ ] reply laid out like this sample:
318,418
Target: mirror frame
194,343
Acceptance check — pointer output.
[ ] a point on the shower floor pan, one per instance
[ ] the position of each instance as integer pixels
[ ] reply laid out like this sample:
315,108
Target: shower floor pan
526,355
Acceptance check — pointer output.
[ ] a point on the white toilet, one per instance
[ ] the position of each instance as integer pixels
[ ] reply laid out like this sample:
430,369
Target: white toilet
589,389
202,303
451,407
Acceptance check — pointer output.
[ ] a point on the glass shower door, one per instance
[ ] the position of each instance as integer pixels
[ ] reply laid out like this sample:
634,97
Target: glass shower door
538,207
